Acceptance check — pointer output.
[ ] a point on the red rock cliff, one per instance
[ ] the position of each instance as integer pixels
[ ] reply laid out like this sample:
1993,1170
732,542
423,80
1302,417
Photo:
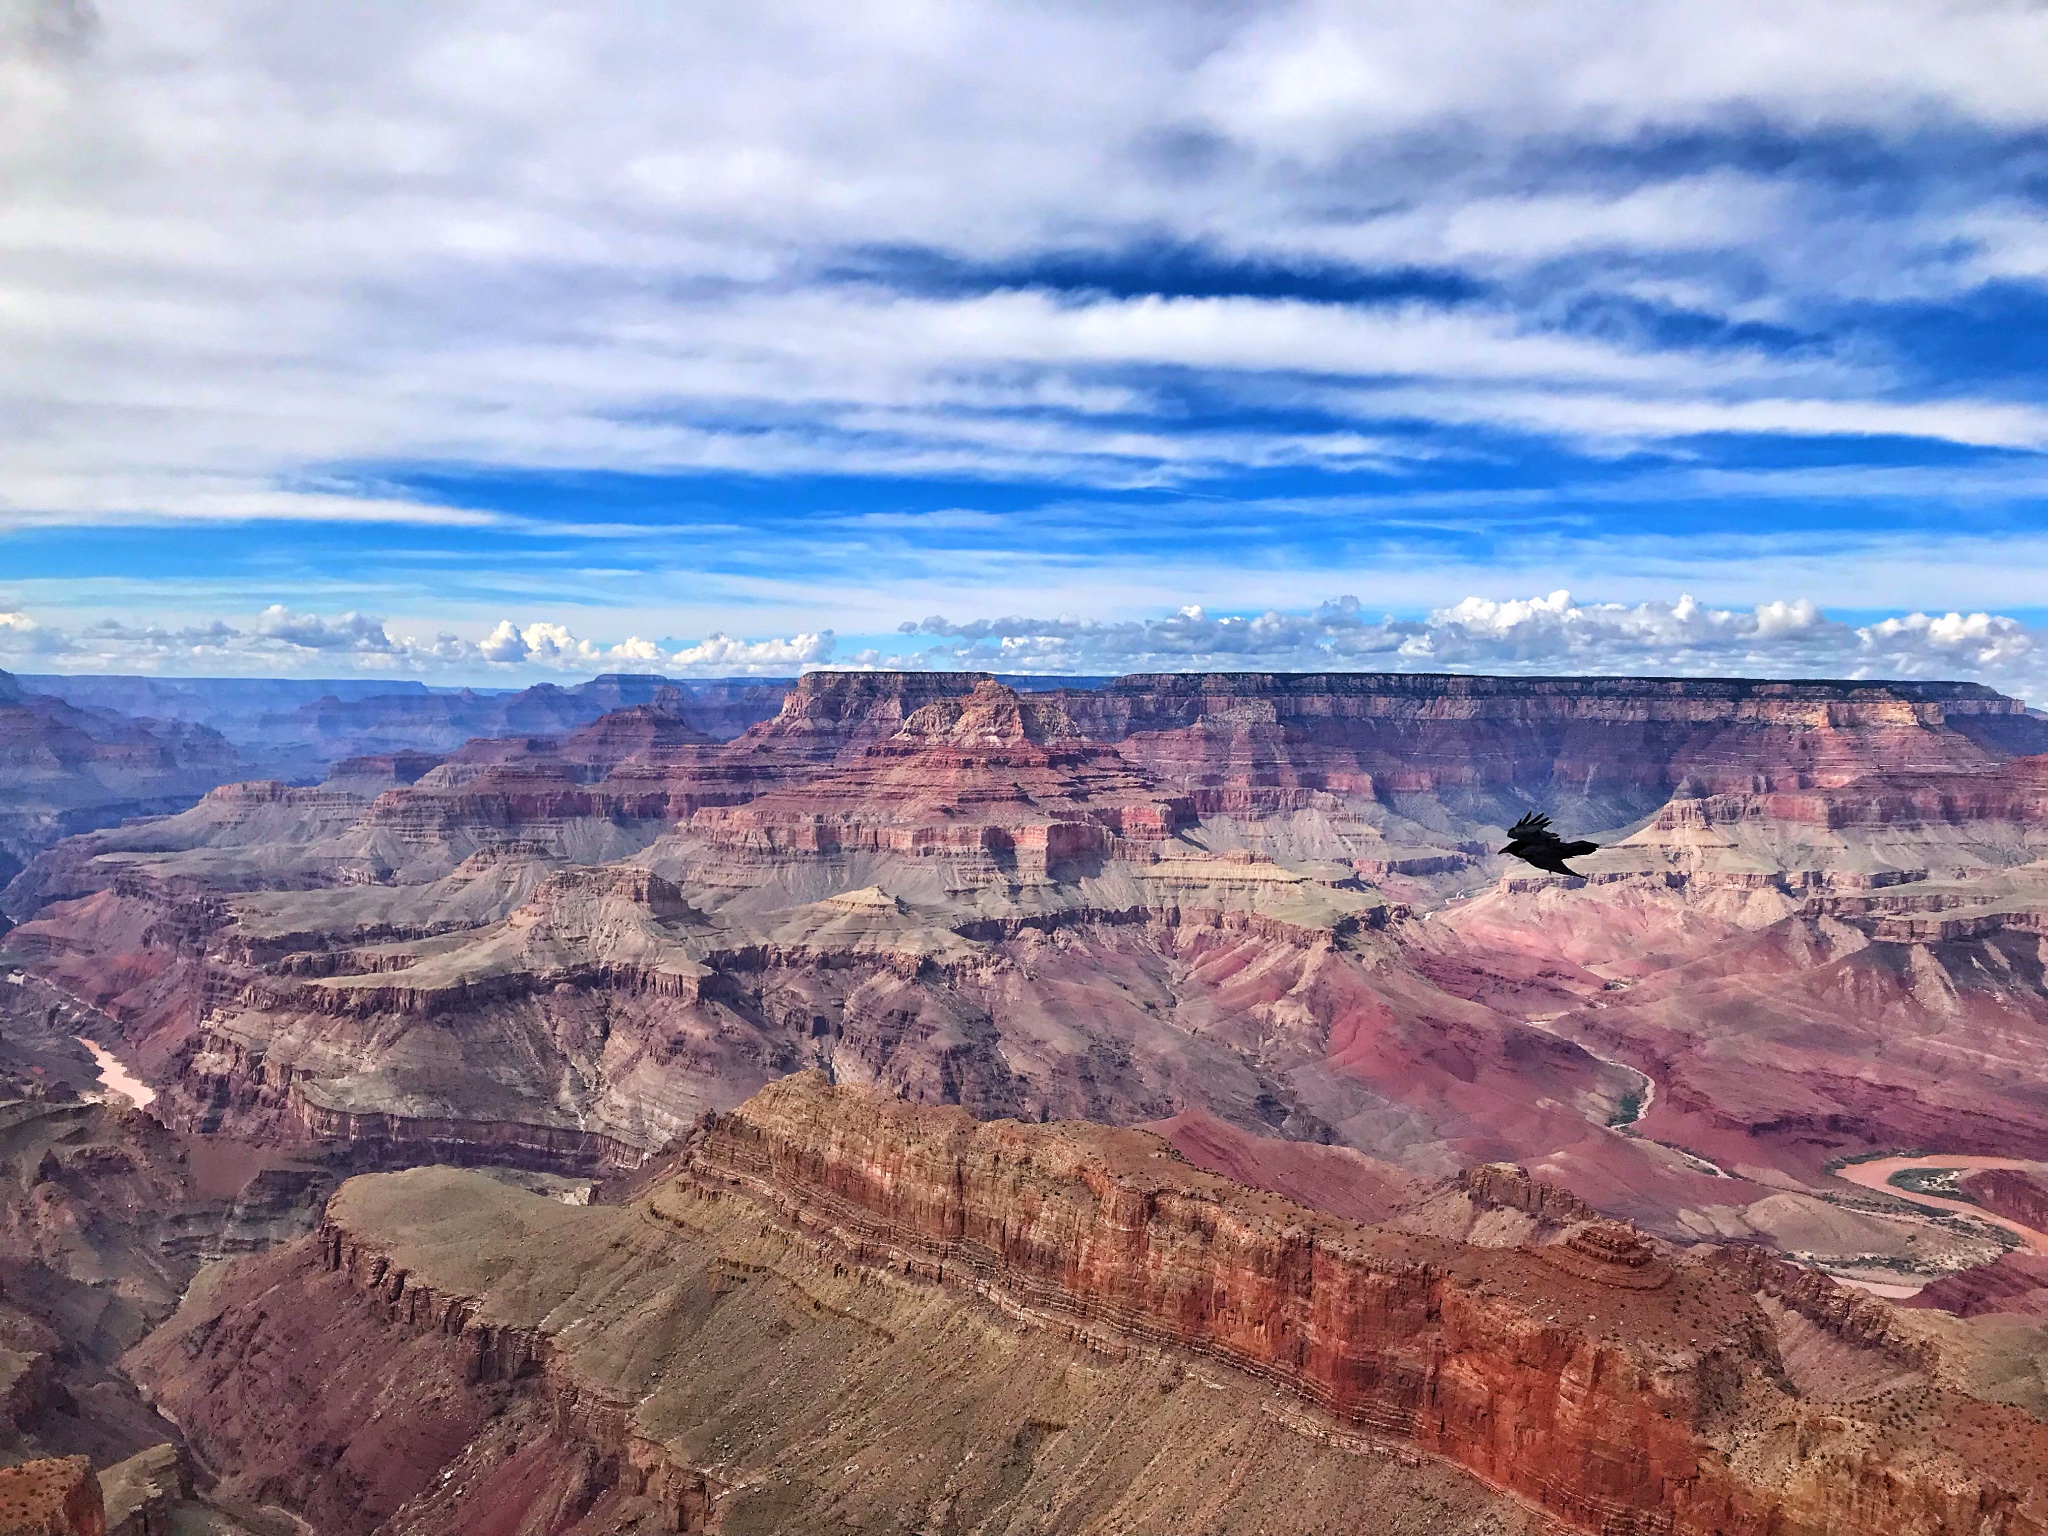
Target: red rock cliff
1622,1393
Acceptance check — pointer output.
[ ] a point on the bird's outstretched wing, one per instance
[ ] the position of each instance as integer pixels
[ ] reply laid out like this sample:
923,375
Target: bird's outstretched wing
1573,850
1534,824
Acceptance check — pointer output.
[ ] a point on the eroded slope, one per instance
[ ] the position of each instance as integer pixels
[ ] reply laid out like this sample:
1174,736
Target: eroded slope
841,1313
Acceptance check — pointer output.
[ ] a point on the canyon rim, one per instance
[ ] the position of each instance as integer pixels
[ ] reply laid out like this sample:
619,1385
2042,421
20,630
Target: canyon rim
1146,1105
1273,768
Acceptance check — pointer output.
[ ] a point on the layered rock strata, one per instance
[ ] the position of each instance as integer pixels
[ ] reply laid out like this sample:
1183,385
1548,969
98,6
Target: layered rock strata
1168,895
836,1234
2018,1194
1611,747
993,773
65,770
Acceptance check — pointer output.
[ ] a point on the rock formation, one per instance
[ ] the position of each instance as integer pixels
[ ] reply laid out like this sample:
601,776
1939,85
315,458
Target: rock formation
2017,1193
1076,1282
65,770
989,774
105,1218
1564,1151
2014,1283
144,1494
51,1498
1166,896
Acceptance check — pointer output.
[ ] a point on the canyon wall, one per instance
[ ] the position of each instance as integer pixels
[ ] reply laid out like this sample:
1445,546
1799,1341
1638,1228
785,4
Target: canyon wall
1169,894
1614,1386
65,770
1612,1423
2018,1194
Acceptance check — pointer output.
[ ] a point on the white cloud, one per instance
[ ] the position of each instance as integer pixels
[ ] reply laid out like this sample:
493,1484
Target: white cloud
311,632
719,653
541,644
1551,633
245,243
1982,642
280,643
21,635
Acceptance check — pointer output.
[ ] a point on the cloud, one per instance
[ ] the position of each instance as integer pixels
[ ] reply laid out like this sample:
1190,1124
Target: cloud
22,636
718,653
552,645
310,632
1551,633
542,644
249,264
282,642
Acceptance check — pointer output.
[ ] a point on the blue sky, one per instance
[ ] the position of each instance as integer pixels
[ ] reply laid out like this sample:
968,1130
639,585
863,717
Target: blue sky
489,343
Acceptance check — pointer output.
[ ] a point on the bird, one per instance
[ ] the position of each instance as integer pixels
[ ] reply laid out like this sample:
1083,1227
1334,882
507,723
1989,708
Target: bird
1532,841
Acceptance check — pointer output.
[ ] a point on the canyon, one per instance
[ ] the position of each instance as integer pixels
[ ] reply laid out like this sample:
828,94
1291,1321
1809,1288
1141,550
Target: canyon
65,770
1241,939
1134,1344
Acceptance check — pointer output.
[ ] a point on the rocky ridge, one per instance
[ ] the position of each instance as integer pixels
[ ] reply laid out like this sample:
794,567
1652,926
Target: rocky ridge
65,770
1024,903
1612,1386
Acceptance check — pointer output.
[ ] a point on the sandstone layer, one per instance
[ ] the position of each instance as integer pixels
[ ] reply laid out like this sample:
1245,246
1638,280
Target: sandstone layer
1812,935
1122,1342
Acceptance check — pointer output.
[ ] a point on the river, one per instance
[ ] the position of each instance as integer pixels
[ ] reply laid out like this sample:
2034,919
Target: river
1877,1174
117,1077
1644,1099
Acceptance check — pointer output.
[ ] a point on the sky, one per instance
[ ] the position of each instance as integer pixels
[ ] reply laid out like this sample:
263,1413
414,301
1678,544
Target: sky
486,343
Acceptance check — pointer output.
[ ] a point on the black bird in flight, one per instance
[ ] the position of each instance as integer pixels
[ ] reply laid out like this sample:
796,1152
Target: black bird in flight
1532,841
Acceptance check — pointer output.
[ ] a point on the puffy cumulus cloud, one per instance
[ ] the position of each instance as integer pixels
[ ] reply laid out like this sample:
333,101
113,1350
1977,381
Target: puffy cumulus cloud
281,642
1551,633
1981,641
21,636
543,644
351,631
552,645
720,653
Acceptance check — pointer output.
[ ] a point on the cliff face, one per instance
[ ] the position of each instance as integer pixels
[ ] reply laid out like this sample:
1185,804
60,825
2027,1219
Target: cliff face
1610,1385
990,773
1168,895
1623,1423
2015,1284
65,770
2011,1192
468,1357
1614,746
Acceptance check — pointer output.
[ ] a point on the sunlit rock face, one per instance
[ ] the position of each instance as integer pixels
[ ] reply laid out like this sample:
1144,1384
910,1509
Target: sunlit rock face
829,1298
1264,903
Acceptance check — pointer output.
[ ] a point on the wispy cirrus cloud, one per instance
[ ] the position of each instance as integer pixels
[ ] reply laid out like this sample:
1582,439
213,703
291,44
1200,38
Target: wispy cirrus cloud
392,290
